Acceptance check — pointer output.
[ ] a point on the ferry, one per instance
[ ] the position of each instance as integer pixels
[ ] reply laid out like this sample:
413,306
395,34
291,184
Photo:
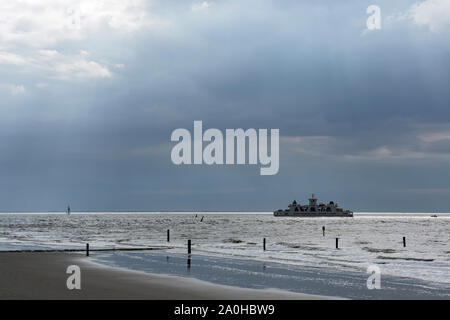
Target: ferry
313,210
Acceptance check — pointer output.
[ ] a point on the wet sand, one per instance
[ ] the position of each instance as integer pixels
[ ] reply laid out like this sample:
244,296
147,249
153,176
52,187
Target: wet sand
42,275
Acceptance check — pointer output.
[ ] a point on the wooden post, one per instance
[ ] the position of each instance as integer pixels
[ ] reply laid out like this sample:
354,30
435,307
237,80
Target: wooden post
337,243
404,241
87,249
168,235
264,244
189,246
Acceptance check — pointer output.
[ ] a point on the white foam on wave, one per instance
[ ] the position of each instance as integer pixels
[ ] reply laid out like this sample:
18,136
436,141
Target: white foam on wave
368,238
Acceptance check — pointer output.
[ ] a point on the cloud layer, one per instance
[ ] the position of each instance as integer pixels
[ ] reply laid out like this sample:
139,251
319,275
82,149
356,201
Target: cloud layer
91,91
435,14
31,32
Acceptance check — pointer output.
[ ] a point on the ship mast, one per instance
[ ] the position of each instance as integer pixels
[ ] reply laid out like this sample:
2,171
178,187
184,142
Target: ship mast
312,200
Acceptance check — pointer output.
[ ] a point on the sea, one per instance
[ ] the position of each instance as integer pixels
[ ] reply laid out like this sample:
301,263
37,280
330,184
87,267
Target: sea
227,248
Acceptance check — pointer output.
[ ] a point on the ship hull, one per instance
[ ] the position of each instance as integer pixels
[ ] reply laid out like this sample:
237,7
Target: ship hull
313,215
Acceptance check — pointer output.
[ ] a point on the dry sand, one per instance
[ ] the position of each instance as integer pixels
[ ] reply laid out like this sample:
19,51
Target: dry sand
42,275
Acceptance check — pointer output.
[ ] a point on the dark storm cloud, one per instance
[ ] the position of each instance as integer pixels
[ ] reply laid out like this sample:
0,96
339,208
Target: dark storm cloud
353,108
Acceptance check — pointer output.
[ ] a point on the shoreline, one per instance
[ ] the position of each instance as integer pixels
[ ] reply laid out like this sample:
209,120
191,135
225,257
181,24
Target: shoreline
163,250
81,252
255,274
42,276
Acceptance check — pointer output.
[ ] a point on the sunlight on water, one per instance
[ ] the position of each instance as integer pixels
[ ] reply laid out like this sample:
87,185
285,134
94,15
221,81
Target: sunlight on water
366,239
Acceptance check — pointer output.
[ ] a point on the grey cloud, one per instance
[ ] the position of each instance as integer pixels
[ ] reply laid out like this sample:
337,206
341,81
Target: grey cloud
305,68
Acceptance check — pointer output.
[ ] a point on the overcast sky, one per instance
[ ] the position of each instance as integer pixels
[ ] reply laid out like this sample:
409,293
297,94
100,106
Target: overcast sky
91,91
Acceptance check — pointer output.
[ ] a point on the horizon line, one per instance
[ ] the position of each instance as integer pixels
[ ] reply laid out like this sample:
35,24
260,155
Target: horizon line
205,212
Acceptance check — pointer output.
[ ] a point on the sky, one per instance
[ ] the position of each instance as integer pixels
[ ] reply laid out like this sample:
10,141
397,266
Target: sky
91,91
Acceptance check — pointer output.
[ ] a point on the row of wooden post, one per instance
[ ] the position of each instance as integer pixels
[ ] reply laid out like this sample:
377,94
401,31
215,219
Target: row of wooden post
264,244
189,244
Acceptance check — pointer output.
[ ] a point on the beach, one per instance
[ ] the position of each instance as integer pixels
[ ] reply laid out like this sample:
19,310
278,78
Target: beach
42,275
